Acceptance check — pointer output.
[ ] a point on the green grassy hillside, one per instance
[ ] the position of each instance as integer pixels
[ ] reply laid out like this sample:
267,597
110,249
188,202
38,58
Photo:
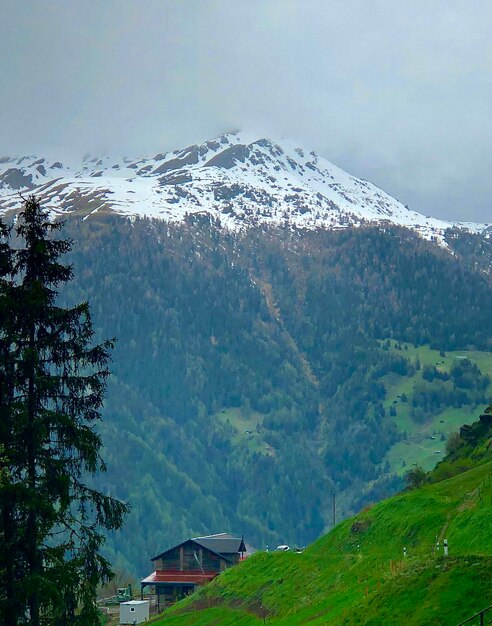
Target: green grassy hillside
424,440
357,573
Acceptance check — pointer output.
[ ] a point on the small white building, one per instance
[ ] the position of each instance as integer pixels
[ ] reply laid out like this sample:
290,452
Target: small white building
134,611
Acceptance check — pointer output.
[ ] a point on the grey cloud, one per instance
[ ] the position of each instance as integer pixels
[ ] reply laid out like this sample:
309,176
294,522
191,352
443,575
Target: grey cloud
395,92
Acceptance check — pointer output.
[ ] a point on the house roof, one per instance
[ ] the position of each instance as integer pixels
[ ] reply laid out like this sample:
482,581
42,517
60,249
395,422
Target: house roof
221,545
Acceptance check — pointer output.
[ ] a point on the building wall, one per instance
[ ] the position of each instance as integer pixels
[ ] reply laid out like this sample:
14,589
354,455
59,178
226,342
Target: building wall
190,557
170,561
140,613
211,562
234,557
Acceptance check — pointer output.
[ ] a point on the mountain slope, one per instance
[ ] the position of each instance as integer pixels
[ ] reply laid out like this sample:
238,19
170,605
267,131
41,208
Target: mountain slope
238,180
357,574
251,369
255,369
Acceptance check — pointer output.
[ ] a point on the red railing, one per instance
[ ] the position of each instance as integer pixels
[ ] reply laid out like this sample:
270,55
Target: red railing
179,576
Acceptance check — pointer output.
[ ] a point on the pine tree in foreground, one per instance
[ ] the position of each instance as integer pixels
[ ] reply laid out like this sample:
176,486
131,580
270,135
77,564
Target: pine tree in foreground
52,383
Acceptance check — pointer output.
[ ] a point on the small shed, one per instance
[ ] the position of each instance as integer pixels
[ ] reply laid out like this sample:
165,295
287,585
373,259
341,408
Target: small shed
134,611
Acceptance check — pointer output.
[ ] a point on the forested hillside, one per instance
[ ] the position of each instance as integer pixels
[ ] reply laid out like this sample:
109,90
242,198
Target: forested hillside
252,370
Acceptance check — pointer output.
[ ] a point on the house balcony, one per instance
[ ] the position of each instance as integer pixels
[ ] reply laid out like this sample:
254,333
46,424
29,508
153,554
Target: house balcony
179,577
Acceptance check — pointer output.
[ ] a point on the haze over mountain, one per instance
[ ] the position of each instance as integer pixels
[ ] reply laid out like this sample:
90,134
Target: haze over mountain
399,95
239,180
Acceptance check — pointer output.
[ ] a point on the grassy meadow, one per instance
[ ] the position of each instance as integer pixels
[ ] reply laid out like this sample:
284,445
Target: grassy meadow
424,443
358,574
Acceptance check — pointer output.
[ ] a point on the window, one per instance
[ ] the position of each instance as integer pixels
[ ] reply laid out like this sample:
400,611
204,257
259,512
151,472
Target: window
132,609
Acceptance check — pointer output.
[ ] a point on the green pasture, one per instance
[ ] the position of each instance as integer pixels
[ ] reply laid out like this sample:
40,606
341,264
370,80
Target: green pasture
424,443
248,430
357,573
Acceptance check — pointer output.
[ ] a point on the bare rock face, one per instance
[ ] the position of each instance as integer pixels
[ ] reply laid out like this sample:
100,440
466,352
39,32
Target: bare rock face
238,181
229,157
14,178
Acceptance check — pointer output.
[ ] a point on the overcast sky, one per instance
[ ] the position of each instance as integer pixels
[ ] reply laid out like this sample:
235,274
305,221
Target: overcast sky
395,91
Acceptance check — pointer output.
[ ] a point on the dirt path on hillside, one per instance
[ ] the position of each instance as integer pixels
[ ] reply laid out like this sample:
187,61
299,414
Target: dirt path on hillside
276,314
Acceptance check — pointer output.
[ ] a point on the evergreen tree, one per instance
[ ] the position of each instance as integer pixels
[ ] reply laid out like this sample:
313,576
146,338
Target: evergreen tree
52,386
415,477
9,539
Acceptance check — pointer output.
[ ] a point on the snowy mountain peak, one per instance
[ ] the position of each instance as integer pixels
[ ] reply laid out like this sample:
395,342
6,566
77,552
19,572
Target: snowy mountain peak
239,179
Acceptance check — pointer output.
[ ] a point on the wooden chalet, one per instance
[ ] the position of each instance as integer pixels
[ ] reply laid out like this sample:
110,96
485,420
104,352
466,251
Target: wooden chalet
194,562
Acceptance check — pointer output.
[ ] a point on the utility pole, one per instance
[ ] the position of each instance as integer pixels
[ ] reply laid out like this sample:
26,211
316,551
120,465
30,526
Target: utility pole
334,509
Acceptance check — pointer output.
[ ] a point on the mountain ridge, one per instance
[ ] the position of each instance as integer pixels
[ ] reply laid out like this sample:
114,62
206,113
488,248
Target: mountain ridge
237,180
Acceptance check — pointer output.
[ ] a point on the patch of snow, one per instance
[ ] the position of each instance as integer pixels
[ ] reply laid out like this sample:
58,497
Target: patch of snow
238,178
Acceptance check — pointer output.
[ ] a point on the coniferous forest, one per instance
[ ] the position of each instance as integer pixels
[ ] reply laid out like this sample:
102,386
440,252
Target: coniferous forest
248,375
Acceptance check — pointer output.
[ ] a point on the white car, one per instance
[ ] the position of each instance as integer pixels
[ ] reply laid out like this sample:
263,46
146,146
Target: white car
282,548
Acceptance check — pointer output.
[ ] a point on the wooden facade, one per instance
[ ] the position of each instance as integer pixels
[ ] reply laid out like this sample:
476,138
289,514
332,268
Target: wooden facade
193,562
190,556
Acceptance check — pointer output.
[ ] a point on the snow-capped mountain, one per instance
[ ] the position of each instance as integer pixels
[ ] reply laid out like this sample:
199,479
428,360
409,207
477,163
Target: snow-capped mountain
239,180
